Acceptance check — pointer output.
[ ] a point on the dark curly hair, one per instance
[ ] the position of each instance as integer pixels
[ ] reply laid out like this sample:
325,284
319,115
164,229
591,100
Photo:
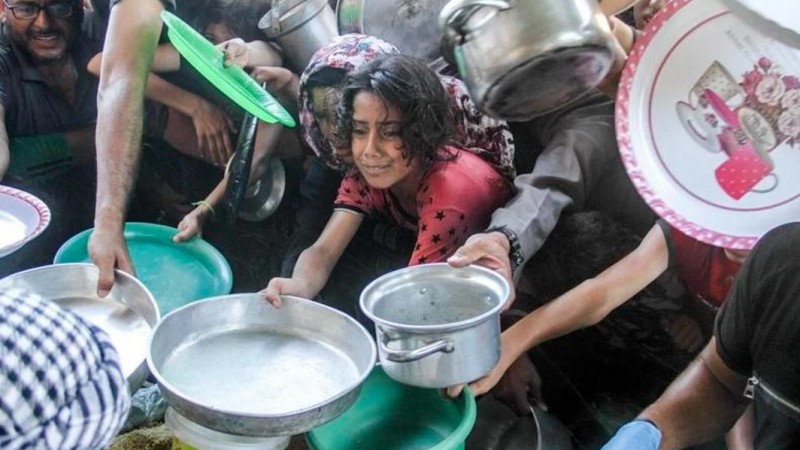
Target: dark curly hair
414,89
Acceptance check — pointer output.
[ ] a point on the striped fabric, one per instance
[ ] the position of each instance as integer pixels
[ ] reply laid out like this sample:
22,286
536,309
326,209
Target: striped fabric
61,386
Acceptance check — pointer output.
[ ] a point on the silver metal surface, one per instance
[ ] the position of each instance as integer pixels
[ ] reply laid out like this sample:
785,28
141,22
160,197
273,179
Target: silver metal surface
239,366
301,27
264,196
410,25
128,314
520,58
437,326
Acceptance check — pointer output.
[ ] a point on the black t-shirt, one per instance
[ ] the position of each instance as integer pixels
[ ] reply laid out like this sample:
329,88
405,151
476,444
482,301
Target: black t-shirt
758,335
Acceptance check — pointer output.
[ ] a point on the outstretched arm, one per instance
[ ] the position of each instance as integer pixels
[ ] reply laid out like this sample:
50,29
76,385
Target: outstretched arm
315,264
585,305
132,36
701,404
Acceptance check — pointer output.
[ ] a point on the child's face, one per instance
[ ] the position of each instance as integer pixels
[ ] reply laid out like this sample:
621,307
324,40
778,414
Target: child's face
376,142
218,33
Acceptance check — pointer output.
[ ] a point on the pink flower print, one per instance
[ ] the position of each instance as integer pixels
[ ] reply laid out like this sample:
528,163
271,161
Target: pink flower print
791,82
791,102
789,124
764,63
770,90
750,81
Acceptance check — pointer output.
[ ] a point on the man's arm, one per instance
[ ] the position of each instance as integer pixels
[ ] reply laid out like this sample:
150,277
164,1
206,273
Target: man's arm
701,404
131,39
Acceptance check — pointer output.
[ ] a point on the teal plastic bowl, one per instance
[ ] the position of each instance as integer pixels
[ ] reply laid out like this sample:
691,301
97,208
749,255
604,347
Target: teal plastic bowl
392,416
176,274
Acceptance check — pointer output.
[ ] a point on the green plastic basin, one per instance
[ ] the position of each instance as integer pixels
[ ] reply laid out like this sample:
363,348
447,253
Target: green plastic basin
176,274
392,416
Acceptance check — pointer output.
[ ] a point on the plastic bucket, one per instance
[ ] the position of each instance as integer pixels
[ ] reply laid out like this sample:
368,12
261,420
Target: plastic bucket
392,416
191,436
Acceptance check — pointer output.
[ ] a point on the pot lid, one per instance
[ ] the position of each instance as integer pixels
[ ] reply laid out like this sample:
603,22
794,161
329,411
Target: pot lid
264,196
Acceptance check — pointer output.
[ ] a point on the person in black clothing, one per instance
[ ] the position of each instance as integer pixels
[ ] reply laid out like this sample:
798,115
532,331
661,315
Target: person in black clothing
753,357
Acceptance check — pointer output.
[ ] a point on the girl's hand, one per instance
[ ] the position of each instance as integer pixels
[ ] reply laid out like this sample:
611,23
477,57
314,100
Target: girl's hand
279,80
236,53
284,286
192,224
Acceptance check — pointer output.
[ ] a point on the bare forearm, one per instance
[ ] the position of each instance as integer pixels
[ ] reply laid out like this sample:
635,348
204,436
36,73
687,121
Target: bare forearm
698,406
162,91
118,143
133,34
314,267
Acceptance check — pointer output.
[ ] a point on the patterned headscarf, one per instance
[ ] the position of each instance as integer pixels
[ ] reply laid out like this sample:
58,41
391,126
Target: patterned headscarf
61,385
476,132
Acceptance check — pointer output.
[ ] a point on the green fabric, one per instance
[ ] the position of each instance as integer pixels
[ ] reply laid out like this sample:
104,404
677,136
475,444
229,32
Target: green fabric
39,157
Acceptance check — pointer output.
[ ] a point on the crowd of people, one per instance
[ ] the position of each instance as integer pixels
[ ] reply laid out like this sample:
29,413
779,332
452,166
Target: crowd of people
101,116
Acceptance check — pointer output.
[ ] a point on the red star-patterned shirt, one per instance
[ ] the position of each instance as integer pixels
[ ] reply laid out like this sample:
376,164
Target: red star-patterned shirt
455,199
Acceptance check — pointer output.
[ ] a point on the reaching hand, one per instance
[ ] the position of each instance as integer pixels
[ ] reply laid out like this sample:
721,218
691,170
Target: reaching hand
236,52
108,251
285,286
521,385
192,224
212,128
489,250
279,80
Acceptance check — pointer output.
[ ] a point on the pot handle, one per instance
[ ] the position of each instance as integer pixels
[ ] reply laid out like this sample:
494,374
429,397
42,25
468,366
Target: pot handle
400,356
453,15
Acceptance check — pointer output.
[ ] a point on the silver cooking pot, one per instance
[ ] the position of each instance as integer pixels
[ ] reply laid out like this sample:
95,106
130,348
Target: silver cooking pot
523,58
301,27
437,326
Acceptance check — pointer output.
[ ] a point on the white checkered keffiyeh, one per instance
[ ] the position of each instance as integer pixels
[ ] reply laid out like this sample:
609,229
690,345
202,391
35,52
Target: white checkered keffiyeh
61,386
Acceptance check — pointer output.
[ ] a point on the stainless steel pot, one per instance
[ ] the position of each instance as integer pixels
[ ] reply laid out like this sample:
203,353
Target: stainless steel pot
301,27
127,315
436,325
237,365
410,25
523,58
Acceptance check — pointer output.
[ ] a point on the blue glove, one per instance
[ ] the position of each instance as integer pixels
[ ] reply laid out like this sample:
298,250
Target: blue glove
636,435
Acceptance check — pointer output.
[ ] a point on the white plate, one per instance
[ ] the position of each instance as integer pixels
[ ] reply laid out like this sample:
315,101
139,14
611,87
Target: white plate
22,218
779,19
670,141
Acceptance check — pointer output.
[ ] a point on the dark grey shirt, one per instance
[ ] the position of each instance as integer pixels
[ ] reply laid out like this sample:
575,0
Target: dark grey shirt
579,169
32,107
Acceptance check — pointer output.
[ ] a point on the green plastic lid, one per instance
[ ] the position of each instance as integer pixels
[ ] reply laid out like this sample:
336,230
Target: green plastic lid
231,81
176,274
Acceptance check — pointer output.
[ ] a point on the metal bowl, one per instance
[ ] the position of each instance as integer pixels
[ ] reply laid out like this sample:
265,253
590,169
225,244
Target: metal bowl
264,196
128,314
237,365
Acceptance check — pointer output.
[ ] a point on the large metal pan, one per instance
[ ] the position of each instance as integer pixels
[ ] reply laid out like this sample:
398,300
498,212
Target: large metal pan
237,365
127,314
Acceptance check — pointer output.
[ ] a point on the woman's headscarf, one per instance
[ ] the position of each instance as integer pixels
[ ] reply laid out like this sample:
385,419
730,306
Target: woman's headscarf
476,132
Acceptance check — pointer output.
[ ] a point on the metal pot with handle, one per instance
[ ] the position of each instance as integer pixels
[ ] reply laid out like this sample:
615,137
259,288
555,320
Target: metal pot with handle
523,58
437,326
301,27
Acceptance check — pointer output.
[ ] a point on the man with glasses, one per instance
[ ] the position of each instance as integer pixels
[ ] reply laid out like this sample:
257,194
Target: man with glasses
48,110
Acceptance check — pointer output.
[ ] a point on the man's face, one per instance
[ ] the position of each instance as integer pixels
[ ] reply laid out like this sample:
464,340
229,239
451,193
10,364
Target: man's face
45,34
